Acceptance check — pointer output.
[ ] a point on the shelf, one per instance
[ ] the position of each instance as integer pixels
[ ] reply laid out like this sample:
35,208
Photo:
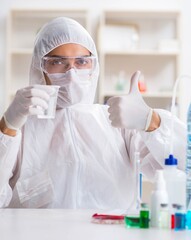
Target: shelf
142,53
141,13
45,14
158,94
146,94
145,40
27,22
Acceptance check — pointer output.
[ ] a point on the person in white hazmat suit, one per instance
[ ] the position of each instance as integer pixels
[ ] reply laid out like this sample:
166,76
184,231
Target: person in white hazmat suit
84,158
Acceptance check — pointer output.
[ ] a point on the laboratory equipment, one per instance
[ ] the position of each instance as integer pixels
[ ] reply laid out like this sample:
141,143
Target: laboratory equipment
49,113
132,221
172,216
107,219
188,216
132,213
158,196
144,216
188,160
175,182
180,218
188,157
188,219
174,110
164,216
136,203
138,181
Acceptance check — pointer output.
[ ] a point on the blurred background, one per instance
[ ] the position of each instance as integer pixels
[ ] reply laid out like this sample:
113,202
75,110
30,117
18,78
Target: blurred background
152,36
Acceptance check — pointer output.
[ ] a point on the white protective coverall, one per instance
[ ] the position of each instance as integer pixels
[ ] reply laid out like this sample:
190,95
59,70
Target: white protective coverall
78,160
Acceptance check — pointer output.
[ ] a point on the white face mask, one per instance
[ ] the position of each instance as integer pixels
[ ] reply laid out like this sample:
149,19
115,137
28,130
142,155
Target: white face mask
74,86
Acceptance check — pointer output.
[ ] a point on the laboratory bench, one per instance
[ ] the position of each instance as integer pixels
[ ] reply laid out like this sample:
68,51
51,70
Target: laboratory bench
62,224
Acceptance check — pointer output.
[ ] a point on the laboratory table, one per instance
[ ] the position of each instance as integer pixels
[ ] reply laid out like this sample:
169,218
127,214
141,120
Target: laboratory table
61,224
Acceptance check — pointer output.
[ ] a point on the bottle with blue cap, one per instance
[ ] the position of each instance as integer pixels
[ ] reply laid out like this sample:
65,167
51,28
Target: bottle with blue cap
175,182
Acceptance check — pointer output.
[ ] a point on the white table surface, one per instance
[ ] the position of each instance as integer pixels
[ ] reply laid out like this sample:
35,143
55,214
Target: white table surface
61,224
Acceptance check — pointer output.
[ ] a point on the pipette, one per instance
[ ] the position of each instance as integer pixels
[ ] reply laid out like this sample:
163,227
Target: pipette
138,181
136,202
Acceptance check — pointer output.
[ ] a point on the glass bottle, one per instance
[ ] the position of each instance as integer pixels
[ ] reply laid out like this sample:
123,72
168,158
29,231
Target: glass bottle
144,216
164,216
180,218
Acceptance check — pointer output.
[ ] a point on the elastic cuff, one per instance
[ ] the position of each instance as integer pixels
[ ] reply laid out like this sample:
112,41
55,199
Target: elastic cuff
149,117
9,125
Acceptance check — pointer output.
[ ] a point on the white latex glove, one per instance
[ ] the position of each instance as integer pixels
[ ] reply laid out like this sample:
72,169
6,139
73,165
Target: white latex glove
130,111
31,100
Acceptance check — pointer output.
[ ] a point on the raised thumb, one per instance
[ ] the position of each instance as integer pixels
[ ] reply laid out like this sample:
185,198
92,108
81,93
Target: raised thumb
134,88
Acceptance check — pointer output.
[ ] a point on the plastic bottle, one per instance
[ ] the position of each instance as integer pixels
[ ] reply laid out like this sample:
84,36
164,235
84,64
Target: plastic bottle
175,182
158,196
188,158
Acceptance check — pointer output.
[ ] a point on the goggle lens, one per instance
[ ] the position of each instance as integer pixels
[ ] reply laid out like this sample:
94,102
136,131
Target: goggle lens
51,64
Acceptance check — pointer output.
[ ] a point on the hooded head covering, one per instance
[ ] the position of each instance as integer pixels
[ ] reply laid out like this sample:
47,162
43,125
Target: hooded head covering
57,32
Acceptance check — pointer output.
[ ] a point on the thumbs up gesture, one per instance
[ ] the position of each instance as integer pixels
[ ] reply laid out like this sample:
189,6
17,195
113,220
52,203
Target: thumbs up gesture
130,111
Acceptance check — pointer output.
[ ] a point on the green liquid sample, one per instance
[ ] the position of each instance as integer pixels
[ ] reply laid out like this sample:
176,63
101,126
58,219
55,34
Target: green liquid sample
132,221
144,219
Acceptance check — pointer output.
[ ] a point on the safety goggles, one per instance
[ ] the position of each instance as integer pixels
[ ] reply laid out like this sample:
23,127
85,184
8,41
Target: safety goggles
52,64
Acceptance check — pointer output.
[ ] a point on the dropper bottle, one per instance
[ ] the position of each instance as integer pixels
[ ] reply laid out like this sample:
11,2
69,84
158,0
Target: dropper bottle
158,196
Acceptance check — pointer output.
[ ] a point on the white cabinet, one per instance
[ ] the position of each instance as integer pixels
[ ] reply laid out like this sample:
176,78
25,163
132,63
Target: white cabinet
22,27
148,41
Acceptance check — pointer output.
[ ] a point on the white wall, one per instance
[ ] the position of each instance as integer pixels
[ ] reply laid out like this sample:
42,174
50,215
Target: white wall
95,6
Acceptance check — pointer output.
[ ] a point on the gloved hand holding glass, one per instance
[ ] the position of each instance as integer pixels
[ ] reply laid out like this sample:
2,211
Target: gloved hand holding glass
130,111
32,100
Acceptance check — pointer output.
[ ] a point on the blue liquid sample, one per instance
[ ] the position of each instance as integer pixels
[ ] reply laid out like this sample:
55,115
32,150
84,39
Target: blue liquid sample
188,220
180,221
